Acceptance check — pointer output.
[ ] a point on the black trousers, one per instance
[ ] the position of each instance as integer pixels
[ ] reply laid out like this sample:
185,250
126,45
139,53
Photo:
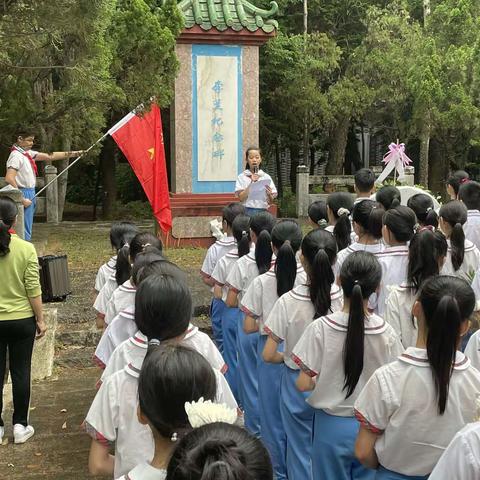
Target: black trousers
17,336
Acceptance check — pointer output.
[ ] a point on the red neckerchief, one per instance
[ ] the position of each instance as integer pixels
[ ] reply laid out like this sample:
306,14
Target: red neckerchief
30,159
11,231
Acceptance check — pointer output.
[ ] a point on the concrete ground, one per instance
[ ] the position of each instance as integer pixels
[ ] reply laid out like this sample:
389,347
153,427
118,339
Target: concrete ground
59,448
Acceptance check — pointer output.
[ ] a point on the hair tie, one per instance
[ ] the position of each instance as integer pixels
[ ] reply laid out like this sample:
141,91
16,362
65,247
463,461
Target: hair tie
426,227
154,341
174,437
429,209
416,228
287,242
356,282
126,244
464,180
322,223
244,233
145,245
343,211
204,412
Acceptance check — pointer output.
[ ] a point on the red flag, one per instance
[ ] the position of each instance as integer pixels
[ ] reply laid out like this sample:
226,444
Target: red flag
141,141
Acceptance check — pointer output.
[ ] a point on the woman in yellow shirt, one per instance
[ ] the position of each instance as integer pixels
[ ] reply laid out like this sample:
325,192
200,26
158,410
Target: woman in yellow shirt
21,317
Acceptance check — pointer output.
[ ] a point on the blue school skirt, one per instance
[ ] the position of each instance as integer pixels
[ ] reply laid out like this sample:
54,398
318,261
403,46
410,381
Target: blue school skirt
247,377
297,417
271,424
251,212
230,319
333,449
384,474
216,311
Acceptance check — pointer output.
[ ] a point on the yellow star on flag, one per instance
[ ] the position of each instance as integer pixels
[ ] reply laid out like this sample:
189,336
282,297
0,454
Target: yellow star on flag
151,151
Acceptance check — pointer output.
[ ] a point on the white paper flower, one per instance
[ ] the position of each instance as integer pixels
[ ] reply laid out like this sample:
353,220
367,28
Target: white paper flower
205,412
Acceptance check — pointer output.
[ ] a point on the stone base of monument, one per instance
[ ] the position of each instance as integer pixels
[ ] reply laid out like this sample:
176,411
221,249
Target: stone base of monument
192,214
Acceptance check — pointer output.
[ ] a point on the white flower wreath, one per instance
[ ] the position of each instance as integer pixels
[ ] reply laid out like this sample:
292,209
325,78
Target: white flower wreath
204,412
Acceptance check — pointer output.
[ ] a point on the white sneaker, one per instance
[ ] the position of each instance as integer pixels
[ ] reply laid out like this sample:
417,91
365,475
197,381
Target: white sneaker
21,434
2,433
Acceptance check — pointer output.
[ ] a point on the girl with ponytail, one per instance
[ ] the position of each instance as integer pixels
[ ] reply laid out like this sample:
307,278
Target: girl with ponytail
411,409
339,207
367,218
463,257
257,303
422,206
317,214
289,318
231,316
455,181
389,196
426,255
342,350
399,226
242,274
219,451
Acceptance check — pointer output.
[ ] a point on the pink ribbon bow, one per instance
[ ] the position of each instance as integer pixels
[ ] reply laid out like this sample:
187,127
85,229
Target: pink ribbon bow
395,159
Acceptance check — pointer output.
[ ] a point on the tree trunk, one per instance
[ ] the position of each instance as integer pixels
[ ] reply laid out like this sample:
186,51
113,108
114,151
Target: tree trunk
294,154
424,153
108,167
279,167
63,180
338,144
438,170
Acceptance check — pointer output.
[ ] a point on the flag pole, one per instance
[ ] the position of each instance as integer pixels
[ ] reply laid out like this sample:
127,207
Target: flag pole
71,165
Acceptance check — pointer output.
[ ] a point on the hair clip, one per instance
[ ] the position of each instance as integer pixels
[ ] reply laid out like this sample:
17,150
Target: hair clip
174,437
343,211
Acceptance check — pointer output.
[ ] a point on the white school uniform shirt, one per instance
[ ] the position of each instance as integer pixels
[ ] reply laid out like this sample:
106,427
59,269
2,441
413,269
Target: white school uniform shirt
260,297
472,350
394,263
134,349
244,180
121,328
330,228
113,417
398,313
472,227
319,353
222,269
469,266
145,472
400,404
375,248
215,253
242,274
291,315
25,177
461,459
104,272
122,298
104,295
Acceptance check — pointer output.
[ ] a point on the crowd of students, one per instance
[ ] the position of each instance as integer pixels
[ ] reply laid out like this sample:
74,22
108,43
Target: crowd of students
336,354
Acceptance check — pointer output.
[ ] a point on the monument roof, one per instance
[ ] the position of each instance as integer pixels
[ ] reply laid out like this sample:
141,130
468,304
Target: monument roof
224,14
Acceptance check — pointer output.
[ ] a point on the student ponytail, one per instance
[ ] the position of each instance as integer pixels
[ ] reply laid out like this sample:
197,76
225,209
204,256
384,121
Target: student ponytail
341,204
319,250
121,233
422,205
455,214
389,196
401,222
241,233
123,267
286,238
447,302
360,276
457,179
369,216
262,225
8,214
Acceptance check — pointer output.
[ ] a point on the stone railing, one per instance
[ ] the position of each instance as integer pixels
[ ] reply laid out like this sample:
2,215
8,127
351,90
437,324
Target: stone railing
47,203
305,180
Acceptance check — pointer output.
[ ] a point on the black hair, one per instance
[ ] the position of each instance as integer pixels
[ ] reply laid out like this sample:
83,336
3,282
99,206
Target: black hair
422,205
360,276
247,151
150,255
8,213
121,233
426,249
262,224
317,212
447,302
24,133
155,264
220,451
241,233
172,375
341,204
163,305
369,215
401,222
455,214
364,180
231,211
319,250
469,194
127,254
286,238
456,179
389,196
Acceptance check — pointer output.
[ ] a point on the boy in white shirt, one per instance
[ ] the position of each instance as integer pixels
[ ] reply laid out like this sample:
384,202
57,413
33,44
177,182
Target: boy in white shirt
469,194
364,184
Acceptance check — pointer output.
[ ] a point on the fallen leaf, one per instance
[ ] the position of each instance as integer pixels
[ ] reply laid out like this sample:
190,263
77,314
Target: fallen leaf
63,410
64,426
38,454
